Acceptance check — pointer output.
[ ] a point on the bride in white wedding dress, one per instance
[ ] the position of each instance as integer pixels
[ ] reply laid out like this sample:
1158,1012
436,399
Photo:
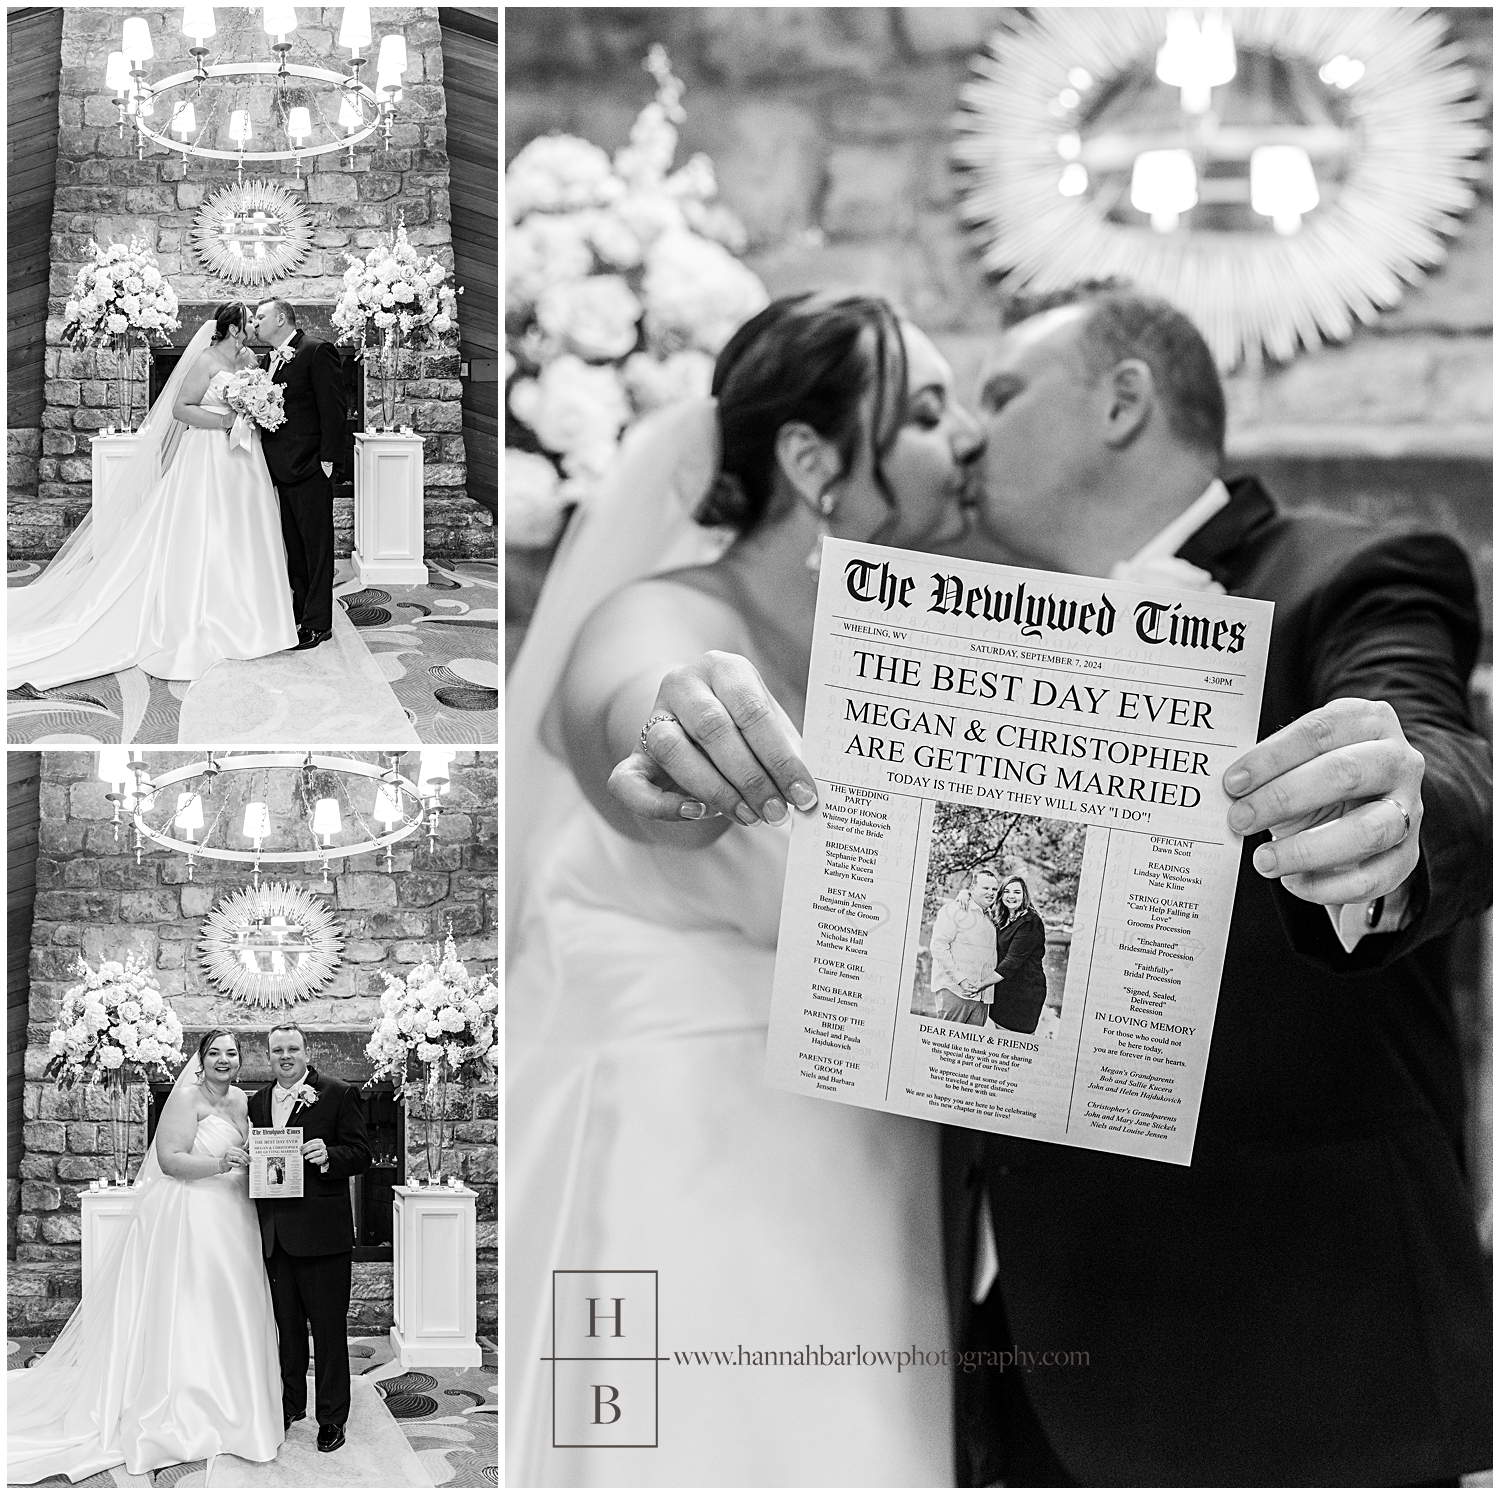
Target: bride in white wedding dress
640,1133
187,567
171,1355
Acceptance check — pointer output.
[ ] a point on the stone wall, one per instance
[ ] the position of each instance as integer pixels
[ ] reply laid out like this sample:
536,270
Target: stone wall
106,194
830,132
93,902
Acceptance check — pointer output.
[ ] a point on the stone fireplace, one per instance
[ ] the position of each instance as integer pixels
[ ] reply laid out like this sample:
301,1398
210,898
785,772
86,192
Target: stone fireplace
93,902
106,194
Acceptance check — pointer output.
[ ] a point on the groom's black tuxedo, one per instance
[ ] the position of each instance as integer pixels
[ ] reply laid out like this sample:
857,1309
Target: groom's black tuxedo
1307,1304
313,433
309,1242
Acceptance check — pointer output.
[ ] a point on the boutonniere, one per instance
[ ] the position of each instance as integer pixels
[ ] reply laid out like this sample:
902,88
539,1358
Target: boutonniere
303,1095
279,356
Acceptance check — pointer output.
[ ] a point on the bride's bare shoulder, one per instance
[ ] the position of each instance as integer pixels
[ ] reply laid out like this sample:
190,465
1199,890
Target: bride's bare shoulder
688,609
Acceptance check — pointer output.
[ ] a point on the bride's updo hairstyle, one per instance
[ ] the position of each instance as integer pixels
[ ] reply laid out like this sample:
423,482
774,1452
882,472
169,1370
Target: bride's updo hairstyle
205,1043
229,316
811,358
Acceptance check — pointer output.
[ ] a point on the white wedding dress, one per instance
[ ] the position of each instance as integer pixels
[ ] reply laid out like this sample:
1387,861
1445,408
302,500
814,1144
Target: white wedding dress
171,1355
641,1135
196,575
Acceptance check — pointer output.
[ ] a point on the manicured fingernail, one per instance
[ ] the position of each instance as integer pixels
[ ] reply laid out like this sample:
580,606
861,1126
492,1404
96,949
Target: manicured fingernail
802,794
774,811
1265,861
1237,781
693,809
1241,818
745,815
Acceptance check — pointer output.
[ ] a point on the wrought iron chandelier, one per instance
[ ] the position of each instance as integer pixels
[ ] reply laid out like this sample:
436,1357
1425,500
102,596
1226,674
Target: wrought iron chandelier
314,110
333,796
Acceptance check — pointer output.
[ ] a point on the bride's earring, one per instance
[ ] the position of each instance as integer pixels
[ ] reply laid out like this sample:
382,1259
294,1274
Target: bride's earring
825,513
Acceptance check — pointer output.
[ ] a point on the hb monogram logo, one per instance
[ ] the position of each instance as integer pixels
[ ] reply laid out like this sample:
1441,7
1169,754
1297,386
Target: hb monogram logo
604,1359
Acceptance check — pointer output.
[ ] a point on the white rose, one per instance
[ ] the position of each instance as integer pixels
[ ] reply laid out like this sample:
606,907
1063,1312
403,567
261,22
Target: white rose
557,172
697,293
111,1057
440,323
597,317
615,241
533,508
573,405
130,1010
544,250
654,382
127,1035
117,323
134,285
649,215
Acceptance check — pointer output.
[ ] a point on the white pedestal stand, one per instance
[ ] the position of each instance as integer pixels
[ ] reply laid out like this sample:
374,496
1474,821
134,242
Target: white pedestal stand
104,1216
388,509
433,1288
110,453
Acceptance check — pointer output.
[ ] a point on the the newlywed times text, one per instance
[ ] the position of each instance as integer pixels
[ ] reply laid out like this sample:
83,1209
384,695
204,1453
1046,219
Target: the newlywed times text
1010,906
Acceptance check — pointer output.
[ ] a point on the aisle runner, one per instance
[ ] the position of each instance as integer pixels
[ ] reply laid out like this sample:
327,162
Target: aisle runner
335,693
375,1455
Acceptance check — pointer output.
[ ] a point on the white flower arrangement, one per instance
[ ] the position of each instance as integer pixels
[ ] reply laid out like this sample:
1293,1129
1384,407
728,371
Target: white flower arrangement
255,400
121,291
621,285
437,1015
393,293
114,1017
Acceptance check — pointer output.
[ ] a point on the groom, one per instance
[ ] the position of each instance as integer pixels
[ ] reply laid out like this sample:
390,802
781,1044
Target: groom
302,454
309,1242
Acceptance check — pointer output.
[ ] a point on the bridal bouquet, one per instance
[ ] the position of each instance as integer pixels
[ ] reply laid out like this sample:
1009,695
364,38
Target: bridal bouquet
256,401
122,291
115,1016
437,1015
621,284
398,293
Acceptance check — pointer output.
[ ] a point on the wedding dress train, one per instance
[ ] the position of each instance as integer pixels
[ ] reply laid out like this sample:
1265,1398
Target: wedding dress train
197,575
171,1356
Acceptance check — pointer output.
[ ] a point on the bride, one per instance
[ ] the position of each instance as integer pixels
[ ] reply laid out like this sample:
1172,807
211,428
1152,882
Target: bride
171,1355
640,1134
186,566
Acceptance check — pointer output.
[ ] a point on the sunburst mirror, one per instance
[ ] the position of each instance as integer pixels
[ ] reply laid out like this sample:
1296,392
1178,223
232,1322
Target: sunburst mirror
270,946
1276,174
252,233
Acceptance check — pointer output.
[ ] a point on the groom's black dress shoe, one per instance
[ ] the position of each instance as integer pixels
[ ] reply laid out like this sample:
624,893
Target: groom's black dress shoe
310,639
330,1437
289,1418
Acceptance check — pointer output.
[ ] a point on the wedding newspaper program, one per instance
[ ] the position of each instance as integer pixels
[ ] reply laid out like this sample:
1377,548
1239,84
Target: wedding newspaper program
275,1162
963,719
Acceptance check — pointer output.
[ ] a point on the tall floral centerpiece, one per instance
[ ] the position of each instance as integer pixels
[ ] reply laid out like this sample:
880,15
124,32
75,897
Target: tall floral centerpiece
121,301
394,298
114,1023
436,1028
621,286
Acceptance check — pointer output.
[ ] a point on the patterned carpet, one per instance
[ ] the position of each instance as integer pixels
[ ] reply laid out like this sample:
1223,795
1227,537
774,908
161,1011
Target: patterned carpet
436,646
449,1417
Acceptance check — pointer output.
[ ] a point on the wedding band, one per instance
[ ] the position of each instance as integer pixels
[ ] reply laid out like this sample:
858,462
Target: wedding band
1406,828
661,716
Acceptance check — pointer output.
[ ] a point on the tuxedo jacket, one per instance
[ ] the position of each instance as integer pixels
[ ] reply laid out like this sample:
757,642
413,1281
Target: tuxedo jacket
320,1222
313,397
1307,1303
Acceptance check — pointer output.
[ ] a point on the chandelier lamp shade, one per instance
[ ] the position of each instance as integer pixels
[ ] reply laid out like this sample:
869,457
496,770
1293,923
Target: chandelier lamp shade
314,110
298,807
